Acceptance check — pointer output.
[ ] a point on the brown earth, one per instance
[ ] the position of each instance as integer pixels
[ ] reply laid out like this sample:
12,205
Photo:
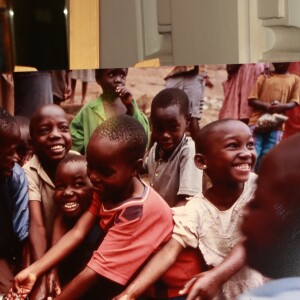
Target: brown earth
145,83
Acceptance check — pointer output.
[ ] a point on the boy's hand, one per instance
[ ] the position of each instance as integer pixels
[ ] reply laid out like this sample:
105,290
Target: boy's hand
53,285
22,285
202,286
126,97
276,107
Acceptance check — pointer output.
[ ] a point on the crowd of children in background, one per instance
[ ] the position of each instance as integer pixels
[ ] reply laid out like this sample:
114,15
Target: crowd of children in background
81,220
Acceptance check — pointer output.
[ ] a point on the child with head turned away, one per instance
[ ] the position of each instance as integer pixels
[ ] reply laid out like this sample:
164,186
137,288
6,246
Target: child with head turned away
51,141
14,215
271,97
73,195
170,163
135,219
210,220
115,100
271,224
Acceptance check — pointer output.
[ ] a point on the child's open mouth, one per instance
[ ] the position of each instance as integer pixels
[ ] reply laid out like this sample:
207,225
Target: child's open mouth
57,148
71,206
243,167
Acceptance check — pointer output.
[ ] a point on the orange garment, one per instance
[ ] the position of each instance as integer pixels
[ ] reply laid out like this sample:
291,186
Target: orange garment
281,87
237,89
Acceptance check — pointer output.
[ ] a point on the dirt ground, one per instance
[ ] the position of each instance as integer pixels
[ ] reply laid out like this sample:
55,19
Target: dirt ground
145,83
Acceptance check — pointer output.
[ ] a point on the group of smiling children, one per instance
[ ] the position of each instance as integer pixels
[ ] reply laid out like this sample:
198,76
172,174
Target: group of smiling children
97,230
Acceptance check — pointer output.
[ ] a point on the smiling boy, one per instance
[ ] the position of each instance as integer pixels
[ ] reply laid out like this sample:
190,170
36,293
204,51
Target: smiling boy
51,141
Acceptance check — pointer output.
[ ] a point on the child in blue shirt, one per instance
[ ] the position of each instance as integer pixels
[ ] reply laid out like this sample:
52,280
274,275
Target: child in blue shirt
14,216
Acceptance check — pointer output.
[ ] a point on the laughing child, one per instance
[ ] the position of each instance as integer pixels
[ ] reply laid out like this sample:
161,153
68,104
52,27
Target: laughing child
114,100
14,215
210,220
136,220
51,141
73,195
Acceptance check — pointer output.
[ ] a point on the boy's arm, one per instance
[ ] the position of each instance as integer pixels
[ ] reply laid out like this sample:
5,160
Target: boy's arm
38,244
37,230
207,284
133,110
153,270
85,281
258,104
53,282
126,99
190,177
281,107
25,253
79,285
25,280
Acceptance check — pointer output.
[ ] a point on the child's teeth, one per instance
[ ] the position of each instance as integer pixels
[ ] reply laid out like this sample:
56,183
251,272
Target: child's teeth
57,147
70,205
243,167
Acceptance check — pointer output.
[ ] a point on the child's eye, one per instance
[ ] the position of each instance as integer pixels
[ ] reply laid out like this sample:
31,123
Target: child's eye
157,128
43,130
231,146
250,145
173,127
105,172
64,128
59,187
79,184
123,75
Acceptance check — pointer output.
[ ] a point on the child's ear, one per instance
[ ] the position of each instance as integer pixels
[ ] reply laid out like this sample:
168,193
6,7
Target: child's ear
138,166
200,161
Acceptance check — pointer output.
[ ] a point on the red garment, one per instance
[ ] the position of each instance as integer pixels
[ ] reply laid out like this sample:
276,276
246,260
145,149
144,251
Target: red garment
135,229
237,90
292,125
189,263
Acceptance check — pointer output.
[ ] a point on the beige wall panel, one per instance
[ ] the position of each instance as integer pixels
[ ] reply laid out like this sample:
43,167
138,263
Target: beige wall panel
84,34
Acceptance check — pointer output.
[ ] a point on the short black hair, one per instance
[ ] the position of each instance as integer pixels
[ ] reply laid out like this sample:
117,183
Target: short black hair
99,72
171,96
201,139
7,121
127,131
72,157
